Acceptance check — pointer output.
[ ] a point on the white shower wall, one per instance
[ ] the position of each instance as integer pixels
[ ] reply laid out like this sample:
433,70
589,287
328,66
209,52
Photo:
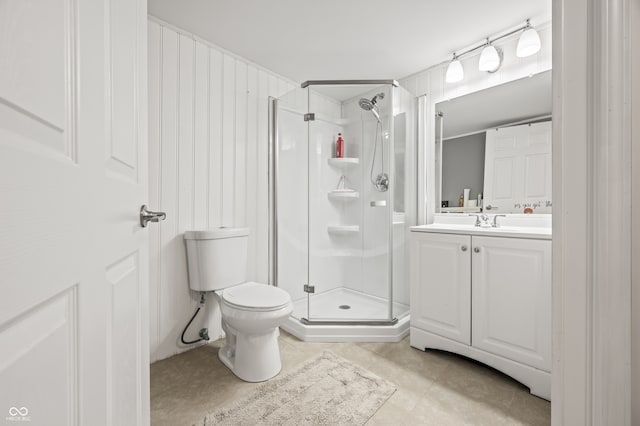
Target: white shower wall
208,146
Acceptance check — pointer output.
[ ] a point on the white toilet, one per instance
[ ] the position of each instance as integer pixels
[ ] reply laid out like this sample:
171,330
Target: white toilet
251,312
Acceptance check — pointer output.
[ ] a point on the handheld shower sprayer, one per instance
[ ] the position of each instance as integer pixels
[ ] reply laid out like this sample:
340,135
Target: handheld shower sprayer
370,105
376,115
381,182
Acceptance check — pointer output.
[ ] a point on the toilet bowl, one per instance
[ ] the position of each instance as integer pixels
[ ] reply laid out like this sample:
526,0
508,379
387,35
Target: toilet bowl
251,316
251,312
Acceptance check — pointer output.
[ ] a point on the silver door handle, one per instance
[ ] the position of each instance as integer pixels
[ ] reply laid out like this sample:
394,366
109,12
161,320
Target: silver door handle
490,207
147,216
379,203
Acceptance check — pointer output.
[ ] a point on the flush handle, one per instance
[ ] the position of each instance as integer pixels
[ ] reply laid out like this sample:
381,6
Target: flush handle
147,216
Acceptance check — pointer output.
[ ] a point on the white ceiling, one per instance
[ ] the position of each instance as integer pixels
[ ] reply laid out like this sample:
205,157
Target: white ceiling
507,103
347,39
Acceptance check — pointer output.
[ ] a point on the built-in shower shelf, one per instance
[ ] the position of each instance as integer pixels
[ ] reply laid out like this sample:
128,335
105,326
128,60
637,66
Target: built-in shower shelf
343,194
343,229
343,162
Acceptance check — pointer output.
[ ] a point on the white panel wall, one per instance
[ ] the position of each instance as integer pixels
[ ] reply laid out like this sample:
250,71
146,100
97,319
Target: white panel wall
208,135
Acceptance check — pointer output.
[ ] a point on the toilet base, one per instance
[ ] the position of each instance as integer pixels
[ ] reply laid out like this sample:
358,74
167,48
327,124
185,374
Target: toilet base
251,357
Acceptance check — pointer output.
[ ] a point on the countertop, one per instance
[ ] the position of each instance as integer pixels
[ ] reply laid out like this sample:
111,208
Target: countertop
514,226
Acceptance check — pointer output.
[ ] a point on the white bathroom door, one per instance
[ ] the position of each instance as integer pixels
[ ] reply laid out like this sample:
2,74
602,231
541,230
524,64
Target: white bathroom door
73,258
517,171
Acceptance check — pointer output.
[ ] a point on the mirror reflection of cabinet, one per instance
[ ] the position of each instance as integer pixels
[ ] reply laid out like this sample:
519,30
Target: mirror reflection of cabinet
462,128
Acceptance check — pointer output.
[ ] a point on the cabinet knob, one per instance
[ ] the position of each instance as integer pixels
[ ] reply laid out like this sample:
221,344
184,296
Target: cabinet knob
476,249
463,248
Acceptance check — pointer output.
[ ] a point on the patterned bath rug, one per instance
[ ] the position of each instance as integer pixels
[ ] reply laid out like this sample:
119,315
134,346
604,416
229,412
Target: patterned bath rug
326,390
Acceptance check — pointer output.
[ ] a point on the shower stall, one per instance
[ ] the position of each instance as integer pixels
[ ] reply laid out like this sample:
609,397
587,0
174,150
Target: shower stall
339,218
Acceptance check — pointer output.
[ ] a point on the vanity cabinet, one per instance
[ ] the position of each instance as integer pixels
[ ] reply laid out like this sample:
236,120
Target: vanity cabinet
511,299
441,300
485,297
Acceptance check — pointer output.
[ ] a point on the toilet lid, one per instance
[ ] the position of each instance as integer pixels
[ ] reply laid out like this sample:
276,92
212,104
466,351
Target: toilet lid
256,296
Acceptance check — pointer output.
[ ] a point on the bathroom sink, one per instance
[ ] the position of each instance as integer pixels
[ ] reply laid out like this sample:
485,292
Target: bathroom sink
515,226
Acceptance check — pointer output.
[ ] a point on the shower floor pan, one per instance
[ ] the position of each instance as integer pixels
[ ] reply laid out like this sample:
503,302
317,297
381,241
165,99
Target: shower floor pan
332,306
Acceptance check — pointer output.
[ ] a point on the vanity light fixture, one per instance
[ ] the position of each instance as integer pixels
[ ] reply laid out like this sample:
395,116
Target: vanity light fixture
455,72
491,56
529,42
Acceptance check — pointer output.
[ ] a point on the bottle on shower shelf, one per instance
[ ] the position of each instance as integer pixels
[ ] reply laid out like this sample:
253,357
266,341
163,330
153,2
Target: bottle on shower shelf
340,146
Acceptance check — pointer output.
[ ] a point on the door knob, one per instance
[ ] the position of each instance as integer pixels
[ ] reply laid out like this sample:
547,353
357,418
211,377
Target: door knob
463,248
476,249
147,216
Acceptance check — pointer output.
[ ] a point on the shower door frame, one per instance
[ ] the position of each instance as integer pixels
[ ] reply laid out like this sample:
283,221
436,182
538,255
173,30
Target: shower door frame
273,204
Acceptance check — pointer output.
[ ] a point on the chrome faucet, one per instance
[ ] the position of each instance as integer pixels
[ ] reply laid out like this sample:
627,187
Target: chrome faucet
481,219
495,220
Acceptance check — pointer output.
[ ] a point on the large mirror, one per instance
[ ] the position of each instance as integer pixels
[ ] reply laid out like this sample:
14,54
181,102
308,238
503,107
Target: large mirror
494,149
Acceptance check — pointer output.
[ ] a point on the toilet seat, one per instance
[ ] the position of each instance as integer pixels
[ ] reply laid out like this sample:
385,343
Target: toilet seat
252,296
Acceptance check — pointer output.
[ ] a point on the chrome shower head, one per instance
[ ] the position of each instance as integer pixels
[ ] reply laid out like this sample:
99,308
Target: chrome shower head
366,104
370,104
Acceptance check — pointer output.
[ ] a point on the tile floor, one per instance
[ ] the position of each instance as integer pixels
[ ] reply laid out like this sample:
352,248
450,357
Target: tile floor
434,388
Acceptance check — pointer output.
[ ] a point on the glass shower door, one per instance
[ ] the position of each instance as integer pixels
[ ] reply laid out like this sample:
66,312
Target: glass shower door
288,171
349,218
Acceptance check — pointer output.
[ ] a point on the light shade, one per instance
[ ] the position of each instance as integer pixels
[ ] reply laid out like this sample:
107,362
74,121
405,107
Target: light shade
455,72
489,59
528,44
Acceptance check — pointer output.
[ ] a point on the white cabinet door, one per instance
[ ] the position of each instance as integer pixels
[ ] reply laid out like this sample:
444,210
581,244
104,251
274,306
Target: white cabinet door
440,285
517,171
512,299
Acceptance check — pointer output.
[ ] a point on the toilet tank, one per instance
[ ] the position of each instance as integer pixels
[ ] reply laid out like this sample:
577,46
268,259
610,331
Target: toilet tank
216,258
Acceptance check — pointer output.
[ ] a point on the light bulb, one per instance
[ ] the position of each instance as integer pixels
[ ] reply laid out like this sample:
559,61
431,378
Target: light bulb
489,59
528,44
455,72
